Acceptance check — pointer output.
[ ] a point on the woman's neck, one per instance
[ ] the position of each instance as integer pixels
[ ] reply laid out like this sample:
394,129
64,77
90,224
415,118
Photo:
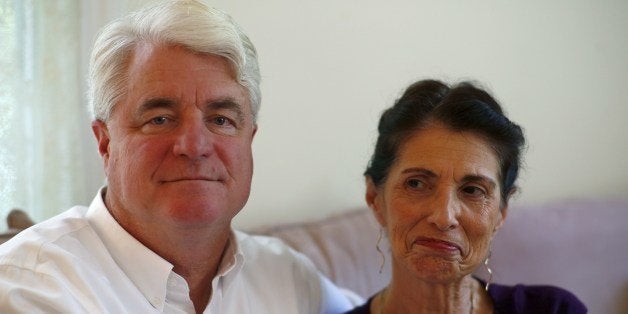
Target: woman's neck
414,296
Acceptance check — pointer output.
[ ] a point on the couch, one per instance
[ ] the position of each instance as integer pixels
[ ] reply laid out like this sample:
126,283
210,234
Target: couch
580,245
17,220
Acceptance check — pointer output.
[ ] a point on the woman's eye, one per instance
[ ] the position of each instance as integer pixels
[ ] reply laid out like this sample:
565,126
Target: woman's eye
473,190
414,183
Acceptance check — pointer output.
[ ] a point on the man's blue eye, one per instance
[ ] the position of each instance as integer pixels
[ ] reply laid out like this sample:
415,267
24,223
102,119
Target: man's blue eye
221,120
160,120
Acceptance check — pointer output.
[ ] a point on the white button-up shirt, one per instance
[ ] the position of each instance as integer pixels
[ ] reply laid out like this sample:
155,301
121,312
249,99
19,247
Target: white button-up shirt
83,261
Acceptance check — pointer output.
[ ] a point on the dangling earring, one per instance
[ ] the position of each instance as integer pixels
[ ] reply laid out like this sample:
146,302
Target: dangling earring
488,269
379,240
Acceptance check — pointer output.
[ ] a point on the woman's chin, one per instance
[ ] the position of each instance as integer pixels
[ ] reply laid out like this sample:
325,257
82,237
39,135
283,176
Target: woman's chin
435,268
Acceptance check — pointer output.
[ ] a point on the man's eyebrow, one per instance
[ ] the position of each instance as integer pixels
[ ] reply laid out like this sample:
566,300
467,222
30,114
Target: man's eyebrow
228,104
156,103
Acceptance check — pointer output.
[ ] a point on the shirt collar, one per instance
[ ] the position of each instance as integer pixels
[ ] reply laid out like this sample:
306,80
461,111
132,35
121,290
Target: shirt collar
147,270
232,260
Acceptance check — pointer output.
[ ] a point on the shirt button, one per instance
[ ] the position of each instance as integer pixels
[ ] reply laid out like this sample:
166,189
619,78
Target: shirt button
155,302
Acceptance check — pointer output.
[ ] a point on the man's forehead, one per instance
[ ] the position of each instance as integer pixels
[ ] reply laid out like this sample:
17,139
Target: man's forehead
145,51
169,72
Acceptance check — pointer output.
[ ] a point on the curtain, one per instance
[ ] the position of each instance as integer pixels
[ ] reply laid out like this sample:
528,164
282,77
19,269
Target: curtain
43,121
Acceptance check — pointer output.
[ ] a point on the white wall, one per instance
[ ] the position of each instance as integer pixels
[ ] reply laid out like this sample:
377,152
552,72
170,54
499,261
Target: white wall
560,68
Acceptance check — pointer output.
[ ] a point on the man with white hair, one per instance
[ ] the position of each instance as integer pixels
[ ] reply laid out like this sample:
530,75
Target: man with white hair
174,92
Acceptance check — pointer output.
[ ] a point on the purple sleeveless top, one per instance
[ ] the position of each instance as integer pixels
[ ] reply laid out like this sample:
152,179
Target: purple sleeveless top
521,299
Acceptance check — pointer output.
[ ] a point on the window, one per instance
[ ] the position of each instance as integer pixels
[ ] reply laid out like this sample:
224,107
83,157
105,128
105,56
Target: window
8,55
43,123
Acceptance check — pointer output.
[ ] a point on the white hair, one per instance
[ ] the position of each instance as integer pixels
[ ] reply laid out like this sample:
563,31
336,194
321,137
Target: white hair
187,23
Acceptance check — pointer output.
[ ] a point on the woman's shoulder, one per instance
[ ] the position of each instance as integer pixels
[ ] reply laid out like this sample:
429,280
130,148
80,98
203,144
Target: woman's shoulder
534,299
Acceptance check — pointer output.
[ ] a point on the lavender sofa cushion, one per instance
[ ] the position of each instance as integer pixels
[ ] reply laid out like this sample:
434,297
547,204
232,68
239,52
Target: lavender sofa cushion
579,245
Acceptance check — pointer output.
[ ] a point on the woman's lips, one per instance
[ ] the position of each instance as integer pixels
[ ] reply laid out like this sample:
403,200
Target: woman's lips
436,244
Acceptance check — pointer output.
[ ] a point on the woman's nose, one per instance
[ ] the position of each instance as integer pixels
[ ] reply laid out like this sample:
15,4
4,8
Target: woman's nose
444,211
193,139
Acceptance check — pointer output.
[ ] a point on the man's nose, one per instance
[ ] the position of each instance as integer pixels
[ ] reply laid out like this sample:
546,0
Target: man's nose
444,211
193,139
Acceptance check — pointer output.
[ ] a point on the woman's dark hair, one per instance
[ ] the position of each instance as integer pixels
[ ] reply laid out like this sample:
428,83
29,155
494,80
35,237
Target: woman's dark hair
463,107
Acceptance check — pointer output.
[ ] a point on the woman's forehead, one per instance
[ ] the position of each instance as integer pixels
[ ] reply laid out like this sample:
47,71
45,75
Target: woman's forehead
440,149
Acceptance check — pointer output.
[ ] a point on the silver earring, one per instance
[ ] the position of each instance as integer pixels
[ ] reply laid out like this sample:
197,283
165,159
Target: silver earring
379,240
488,270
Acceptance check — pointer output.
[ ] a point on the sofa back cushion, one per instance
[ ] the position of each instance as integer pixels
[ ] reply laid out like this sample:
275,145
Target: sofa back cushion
343,247
580,245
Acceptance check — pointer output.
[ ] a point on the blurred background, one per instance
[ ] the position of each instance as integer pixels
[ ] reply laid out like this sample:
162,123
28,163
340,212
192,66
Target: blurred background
559,68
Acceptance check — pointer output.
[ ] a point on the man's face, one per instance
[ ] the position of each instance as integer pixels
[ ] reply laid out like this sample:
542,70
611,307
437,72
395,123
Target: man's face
177,147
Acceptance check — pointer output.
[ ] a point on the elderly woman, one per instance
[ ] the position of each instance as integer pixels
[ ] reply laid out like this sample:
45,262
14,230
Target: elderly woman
439,182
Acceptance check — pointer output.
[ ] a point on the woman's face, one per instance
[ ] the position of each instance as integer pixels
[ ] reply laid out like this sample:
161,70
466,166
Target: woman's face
440,204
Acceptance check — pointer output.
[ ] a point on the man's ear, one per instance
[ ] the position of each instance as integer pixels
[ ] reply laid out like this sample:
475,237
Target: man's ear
101,132
374,198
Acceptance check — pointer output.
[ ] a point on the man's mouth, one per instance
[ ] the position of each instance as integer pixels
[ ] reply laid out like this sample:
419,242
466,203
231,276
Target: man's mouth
191,178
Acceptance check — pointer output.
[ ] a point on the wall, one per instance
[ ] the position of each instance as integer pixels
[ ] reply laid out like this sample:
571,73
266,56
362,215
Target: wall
330,67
